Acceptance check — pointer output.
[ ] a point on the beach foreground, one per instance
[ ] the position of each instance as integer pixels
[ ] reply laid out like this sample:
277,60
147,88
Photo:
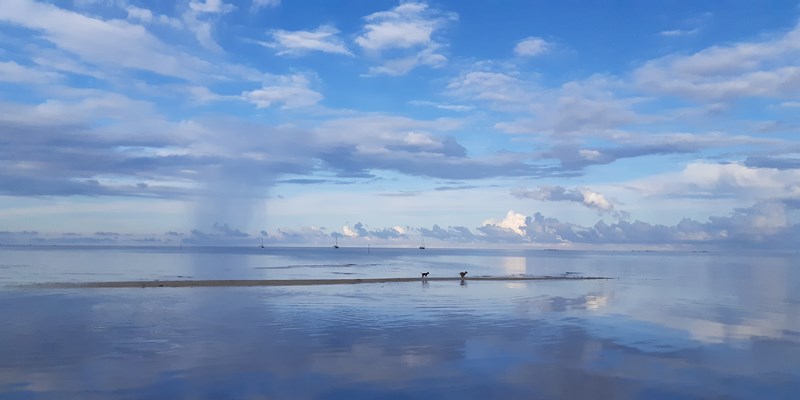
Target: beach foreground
293,282
298,324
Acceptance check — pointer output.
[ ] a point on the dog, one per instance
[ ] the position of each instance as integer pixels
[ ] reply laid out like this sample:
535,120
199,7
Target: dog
425,274
463,274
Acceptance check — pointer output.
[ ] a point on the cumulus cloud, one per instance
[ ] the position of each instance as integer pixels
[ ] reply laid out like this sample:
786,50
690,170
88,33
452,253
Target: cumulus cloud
322,39
532,46
589,198
360,230
404,37
407,25
513,222
764,225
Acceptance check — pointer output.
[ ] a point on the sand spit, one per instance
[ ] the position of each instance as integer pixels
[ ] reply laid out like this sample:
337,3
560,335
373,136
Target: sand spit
292,282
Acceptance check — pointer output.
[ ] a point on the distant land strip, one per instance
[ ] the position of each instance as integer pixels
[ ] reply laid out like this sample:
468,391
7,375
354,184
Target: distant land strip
293,282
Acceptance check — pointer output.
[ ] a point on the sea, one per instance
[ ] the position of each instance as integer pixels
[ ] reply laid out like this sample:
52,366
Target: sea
665,325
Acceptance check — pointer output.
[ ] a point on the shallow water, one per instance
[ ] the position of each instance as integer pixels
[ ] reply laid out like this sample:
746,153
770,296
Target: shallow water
670,325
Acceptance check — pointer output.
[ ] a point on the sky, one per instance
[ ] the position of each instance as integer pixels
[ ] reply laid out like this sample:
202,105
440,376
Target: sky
540,124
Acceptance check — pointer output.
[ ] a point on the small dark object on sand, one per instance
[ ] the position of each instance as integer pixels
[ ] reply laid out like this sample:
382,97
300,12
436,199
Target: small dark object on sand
425,274
463,274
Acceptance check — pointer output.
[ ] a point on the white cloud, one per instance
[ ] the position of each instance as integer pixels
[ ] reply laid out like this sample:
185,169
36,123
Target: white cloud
146,16
407,29
71,112
404,26
442,106
764,68
200,19
384,131
299,42
493,87
139,14
630,144
347,231
679,32
532,46
764,225
12,72
291,91
202,94
513,222
706,179
592,106
98,41
591,155
764,218
401,66
413,147
203,33
589,198
211,6
586,113
360,230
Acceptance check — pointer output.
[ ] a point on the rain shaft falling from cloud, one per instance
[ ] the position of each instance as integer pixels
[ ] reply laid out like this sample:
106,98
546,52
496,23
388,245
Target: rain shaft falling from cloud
230,199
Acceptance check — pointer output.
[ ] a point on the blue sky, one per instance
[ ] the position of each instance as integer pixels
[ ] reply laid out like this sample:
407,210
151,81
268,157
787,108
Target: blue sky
567,124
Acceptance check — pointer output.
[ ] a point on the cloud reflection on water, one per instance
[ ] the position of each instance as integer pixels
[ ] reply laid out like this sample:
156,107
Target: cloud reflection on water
436,341
669,326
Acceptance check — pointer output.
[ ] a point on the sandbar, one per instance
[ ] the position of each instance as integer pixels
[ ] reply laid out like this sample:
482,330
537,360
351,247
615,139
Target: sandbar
292,282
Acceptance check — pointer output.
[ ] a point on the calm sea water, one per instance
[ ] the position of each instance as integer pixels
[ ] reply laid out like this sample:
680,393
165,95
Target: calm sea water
668,326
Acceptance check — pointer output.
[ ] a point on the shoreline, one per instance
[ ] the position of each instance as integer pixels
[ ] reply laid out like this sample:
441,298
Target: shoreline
288,282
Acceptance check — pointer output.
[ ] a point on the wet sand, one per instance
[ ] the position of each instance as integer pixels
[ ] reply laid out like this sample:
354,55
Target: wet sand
292,282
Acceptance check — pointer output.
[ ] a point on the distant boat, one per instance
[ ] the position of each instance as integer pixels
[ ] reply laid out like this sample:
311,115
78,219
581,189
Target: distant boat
422,246
262,243
336,244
